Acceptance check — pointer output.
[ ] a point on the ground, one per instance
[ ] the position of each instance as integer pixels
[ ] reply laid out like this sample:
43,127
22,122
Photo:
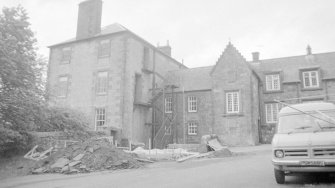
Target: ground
252,169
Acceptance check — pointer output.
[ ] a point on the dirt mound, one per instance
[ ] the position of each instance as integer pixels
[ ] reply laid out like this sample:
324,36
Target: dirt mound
91,155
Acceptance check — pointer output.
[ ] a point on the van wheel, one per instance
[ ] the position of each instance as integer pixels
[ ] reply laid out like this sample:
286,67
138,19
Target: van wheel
280,176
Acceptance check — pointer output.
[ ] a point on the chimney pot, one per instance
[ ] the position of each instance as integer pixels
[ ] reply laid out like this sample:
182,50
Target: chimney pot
255,56
309,50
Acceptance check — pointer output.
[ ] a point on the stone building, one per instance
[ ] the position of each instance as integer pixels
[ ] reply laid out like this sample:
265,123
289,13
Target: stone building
236,99
109,74
133,90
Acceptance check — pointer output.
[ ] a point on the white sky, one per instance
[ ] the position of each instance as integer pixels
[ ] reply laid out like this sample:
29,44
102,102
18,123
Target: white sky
199,30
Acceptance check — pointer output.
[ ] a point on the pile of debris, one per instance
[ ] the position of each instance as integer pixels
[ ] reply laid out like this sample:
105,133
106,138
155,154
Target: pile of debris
211,147
92,155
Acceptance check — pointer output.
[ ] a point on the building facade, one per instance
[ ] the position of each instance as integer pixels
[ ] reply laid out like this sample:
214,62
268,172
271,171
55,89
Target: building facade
238,100
109,74
133,90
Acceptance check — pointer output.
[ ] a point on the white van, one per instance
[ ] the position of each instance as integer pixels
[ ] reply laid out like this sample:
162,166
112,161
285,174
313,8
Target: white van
305,140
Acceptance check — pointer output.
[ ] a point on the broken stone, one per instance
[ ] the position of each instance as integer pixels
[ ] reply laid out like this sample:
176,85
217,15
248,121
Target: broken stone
90,150
73,170
39,170
96,147
65,169
82,166
79,157
60,163
74,163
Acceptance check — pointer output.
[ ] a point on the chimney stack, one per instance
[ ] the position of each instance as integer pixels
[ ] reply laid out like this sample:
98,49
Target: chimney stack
255,56
89,18
165,49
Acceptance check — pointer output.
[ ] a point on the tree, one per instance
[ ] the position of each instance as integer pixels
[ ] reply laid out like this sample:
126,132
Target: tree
22,104
21,94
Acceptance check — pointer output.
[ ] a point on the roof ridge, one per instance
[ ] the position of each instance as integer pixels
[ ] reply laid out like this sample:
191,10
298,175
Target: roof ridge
295,56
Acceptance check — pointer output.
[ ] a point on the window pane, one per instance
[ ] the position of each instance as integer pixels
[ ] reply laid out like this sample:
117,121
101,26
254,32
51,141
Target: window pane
168,105
102,82
100,116
192,104
104,48
232,102
66,55
268,81
192,128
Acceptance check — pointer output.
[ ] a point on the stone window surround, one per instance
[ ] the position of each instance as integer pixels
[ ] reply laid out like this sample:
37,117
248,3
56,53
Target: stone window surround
239,103
302,70
192,103
64,93
100,117
192,128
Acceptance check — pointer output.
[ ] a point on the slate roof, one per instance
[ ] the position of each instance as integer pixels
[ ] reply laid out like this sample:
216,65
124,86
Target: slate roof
192,79
114,29
200,78
106,30
290,66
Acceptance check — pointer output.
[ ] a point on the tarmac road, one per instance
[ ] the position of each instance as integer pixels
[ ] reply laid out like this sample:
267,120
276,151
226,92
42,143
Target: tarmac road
251,170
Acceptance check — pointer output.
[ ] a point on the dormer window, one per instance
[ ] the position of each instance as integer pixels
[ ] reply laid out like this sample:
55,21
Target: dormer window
272,82
310,79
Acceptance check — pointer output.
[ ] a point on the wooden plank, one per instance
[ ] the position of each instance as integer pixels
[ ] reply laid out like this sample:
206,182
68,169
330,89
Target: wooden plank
28,155
194,156
215,144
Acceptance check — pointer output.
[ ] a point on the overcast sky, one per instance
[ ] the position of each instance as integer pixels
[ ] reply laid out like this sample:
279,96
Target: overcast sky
199,30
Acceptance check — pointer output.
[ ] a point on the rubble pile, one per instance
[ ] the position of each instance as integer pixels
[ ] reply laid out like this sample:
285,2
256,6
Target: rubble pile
91,155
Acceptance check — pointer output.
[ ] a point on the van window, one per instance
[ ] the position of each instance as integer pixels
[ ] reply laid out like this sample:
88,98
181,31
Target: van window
298,122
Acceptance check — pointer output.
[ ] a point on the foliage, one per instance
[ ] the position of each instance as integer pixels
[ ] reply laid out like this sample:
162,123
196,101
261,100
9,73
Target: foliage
22,104
70,121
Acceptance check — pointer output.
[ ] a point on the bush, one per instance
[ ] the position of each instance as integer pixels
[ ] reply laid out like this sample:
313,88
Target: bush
70,121
13,141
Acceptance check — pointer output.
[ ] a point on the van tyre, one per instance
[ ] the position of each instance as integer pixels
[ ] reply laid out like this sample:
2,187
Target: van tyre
280,176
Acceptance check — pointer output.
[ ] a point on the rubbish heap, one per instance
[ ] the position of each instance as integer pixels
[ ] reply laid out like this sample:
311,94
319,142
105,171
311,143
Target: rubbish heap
88,156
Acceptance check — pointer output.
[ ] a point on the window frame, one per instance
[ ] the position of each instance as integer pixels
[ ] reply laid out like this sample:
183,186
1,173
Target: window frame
63,88
309,77
192,104
272,77
168,105
104,48
100,117
192,128
233,99
102,84
272,120
66,57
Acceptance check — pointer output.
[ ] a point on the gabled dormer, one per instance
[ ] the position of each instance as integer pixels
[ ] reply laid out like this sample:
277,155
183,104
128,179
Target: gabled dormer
230,66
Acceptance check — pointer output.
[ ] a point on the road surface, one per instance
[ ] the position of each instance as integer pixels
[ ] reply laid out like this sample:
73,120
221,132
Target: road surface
251,170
